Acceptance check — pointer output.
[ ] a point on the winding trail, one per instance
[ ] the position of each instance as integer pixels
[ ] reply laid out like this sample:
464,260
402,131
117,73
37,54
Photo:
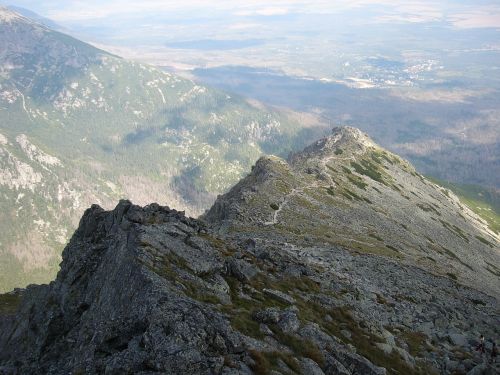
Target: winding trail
295,191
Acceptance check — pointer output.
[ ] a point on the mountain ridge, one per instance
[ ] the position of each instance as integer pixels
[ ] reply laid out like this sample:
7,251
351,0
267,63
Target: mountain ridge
149,290
119,129
345,190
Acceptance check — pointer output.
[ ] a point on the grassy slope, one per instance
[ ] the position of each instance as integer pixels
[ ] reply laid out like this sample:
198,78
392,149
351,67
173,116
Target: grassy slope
483,201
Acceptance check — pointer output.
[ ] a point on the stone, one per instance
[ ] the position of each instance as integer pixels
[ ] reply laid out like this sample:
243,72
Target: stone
386,348
263,328
478,370
280,296
288,322
269,315
242,270
458,339
308,366
346,333
141,290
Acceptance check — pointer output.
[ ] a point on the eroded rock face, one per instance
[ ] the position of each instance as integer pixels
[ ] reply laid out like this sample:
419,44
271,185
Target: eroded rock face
113,307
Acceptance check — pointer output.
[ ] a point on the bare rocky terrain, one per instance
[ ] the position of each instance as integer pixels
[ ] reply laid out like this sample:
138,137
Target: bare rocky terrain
147,290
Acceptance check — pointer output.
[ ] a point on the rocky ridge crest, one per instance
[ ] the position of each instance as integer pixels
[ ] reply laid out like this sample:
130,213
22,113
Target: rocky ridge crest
147,290
345,190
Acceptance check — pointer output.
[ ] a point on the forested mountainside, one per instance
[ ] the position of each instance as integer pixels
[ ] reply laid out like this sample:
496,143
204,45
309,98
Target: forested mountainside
81,126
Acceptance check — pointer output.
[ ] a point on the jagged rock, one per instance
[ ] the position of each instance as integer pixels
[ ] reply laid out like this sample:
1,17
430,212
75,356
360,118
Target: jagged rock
334,367
280,296
378,204
386,348
458,339
108,312
269,315
288,321
346,333
265,330
241,269
249,244
483,369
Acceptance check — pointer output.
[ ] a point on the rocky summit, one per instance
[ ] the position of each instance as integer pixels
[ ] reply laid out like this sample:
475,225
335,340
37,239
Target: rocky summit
281,276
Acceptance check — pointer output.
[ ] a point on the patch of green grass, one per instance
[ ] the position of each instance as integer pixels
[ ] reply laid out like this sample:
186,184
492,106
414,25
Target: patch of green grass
383,301
218,244
453,255
478,302
346,170
240,313
428,208
483,201
416,342
392,248
378,155
376,237
266,362
241,310
365,341
368,171
454,229
357,181
330,191
485,241
172,268
351,195
493,269
405,297
393,186
194,291
300,347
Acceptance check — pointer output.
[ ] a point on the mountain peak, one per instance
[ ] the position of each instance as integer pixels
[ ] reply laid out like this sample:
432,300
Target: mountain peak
344,138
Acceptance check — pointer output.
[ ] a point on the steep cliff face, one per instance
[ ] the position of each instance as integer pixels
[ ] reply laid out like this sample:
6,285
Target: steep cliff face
255,288
345,190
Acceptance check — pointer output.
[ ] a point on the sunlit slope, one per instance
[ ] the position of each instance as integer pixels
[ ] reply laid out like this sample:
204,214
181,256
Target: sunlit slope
346,190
